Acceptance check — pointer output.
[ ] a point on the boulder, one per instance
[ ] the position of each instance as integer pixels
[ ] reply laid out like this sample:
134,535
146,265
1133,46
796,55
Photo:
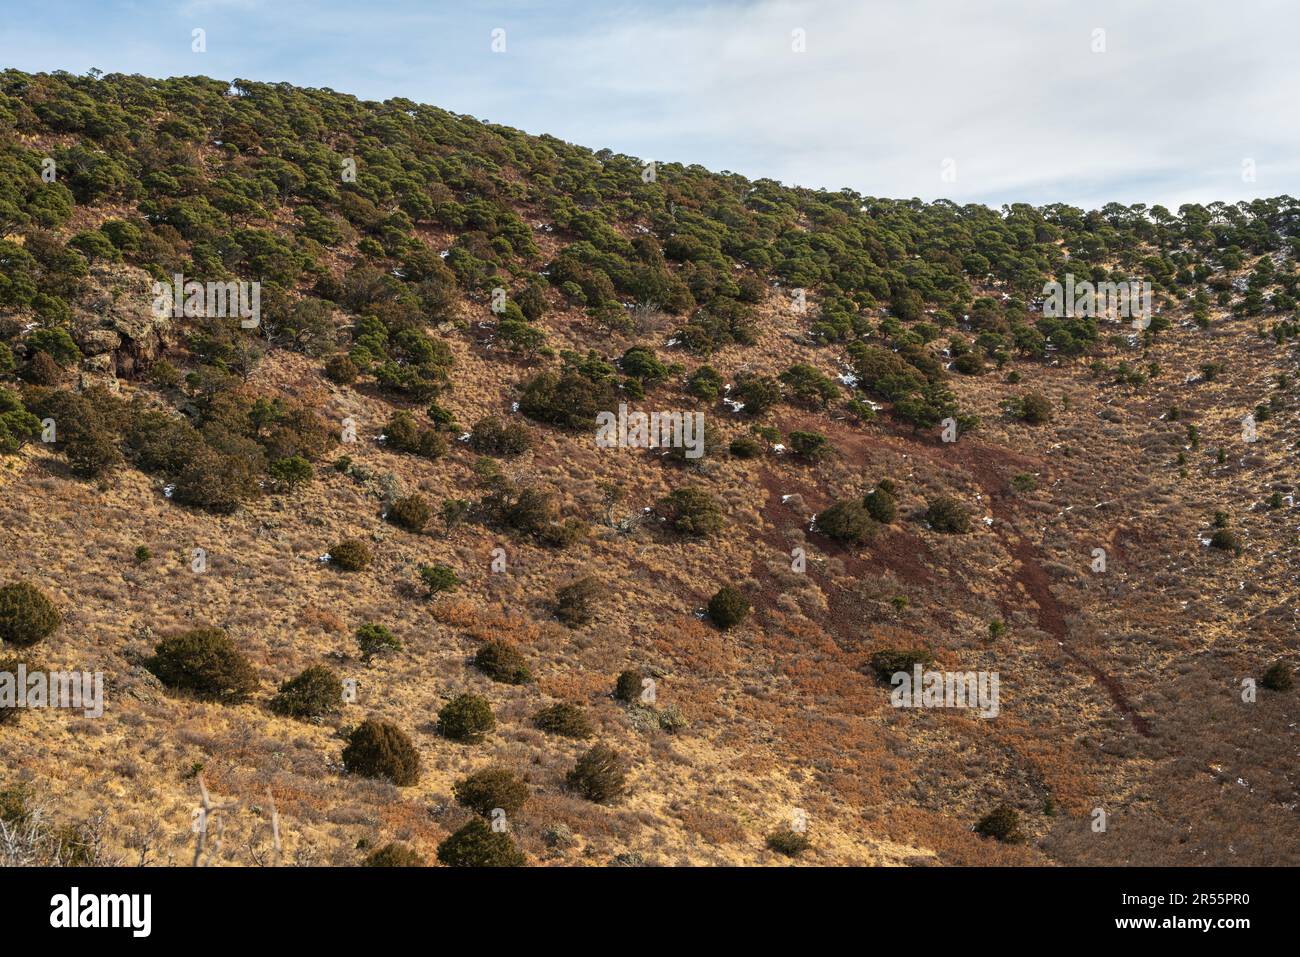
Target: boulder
94,342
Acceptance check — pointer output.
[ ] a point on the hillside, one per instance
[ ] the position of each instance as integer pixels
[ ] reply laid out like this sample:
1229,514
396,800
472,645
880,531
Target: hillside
445,307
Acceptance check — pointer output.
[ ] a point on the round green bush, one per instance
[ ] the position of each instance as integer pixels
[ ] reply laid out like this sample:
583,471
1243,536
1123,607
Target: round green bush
477,845
1035,409
379,749
846,521
728,607
1278,677
746,448
788,842
340,369
206,662
314,693
412,513
503,662
351,555
598,776
491,788
26,615
1227,540
880,505
628,686
466,717
565,719
394,855
374,639
946,514
575,603
692,511
1002,824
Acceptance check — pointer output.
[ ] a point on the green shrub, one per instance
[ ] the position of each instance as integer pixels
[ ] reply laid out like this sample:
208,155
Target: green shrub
351,555
890,661
314,693
568,399
502,662
491,788
705,383
379,749
26,615
42,370
728,607
692,511
403,434
217,482
946,514
394,855
374,639
880,505
788,842
569,720
1227,540
477,845
466,717
1034,408
438,578
206,662
341,370
491,437
746,448
628,686
575,603
411,512
90,448
1002,824
757,393
810,445
598,775
1277,677
846,521
291,472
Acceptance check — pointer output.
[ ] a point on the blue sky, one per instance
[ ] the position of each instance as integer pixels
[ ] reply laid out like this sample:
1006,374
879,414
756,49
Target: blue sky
997,101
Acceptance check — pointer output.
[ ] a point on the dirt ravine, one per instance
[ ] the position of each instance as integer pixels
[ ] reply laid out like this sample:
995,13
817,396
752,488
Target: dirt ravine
1051,613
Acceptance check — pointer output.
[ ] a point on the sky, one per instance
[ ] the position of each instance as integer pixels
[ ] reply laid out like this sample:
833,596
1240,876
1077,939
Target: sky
986,101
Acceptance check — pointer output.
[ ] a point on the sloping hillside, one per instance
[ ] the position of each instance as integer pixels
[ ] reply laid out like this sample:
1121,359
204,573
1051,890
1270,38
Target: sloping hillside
444,308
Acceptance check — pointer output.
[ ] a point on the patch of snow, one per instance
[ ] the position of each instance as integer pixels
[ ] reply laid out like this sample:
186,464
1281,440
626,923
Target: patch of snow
168,490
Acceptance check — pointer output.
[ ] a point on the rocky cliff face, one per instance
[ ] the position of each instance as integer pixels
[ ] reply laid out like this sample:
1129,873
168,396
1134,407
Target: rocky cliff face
119,334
